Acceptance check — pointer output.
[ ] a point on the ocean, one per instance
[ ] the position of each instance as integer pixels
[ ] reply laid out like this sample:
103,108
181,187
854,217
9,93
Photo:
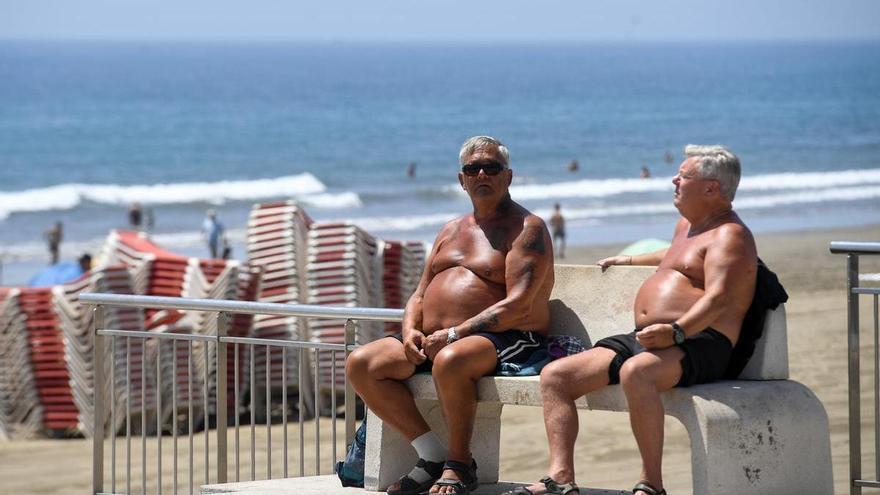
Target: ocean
87,128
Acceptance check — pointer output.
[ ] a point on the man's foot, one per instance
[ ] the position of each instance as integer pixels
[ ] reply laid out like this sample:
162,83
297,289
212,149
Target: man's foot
421,478
458,479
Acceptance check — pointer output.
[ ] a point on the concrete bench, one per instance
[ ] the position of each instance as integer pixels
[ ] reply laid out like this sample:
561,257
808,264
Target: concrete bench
760,434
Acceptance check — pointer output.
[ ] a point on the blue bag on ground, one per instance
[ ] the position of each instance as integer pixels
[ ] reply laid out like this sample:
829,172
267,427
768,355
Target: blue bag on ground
351,470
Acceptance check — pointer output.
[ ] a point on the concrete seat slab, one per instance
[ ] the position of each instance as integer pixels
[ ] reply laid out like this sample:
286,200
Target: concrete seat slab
329,485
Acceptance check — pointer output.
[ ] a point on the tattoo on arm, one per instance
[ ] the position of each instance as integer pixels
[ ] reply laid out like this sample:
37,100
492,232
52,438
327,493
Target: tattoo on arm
534,240
486,323
528,272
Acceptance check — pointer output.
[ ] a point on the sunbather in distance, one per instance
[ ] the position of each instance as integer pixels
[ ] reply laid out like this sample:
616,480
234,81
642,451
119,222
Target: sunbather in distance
482,300
688,316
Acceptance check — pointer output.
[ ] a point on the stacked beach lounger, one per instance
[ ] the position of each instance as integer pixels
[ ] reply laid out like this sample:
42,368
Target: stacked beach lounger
403,263
162,273
75,321
21,412
345,269
277,239
47,356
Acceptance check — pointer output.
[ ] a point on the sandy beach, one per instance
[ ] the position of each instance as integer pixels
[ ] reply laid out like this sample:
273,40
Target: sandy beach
606,454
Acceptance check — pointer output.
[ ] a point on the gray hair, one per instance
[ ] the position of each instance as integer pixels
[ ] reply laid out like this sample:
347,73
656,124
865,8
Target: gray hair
479,142
719,163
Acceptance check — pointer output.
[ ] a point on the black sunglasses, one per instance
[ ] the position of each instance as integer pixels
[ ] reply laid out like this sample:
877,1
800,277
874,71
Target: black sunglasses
490,168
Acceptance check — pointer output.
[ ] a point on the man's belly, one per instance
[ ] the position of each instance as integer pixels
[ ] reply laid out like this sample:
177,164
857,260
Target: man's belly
664,297
454,295
668,294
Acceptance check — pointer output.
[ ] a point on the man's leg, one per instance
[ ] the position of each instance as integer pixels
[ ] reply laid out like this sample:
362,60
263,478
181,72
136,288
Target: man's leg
376,372
457,367
562,382
643,377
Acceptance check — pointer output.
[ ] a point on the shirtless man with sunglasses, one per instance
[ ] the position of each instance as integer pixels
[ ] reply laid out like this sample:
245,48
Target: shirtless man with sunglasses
482,301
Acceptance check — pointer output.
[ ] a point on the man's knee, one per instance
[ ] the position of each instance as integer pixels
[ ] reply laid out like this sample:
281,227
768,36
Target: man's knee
357,365
451,363
635,373
555,377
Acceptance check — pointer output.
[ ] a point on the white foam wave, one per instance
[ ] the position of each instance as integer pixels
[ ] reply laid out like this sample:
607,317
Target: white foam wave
746,203
600,188
402,223
192,240
305,187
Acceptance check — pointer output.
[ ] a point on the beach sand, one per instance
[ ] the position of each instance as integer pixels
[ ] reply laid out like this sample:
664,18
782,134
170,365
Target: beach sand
606,454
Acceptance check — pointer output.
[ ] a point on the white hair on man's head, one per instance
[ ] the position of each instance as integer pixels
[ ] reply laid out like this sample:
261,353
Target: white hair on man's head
719,163
479,142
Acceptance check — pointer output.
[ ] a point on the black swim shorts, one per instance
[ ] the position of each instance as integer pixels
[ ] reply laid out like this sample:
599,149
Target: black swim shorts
511,346
706,355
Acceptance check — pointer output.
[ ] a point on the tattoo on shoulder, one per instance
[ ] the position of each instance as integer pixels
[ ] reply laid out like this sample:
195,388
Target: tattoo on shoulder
534,240
486,323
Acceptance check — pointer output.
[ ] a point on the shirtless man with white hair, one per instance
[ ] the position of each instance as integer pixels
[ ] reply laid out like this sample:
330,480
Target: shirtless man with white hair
687,318
483,300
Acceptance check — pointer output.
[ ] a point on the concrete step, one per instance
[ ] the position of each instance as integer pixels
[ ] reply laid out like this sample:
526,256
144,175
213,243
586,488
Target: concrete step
329,485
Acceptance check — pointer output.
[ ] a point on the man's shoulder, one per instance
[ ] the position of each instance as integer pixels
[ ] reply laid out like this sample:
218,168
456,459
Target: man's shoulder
733,231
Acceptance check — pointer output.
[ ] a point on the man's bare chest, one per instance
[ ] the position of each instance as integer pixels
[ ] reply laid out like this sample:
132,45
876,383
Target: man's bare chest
473,252
687,256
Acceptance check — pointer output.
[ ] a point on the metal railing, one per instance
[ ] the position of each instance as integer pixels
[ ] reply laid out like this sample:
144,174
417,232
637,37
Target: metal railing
853,250
107,419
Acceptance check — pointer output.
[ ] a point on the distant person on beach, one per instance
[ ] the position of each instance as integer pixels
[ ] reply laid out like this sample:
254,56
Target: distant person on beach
135,216
411,170
482,301
54,235
667,157
85,262
151,219
688,316
645,173
214,233
573,166
557,226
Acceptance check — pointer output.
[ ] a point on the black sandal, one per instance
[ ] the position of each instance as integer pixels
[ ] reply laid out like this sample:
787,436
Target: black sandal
648,488
409,486
553,488
463,486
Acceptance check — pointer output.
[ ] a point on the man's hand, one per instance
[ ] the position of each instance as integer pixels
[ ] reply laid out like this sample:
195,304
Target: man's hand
604,263
656,336
412,347
434,342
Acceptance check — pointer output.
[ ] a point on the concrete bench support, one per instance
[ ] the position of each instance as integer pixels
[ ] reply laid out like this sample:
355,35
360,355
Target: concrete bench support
763,435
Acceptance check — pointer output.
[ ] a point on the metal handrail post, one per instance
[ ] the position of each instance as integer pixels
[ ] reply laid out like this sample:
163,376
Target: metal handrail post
350,332
99,422
855,421
221,403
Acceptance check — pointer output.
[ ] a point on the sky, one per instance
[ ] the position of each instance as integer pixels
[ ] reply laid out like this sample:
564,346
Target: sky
441,20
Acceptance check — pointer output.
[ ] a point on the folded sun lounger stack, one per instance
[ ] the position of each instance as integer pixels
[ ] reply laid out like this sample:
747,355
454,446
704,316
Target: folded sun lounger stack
173,275
345,269
412,268
402,269
241,325
76,319
21,413
276,244
47,355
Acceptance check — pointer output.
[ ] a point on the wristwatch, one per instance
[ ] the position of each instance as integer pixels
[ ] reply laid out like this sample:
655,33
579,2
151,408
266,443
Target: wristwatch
451,335
677,333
